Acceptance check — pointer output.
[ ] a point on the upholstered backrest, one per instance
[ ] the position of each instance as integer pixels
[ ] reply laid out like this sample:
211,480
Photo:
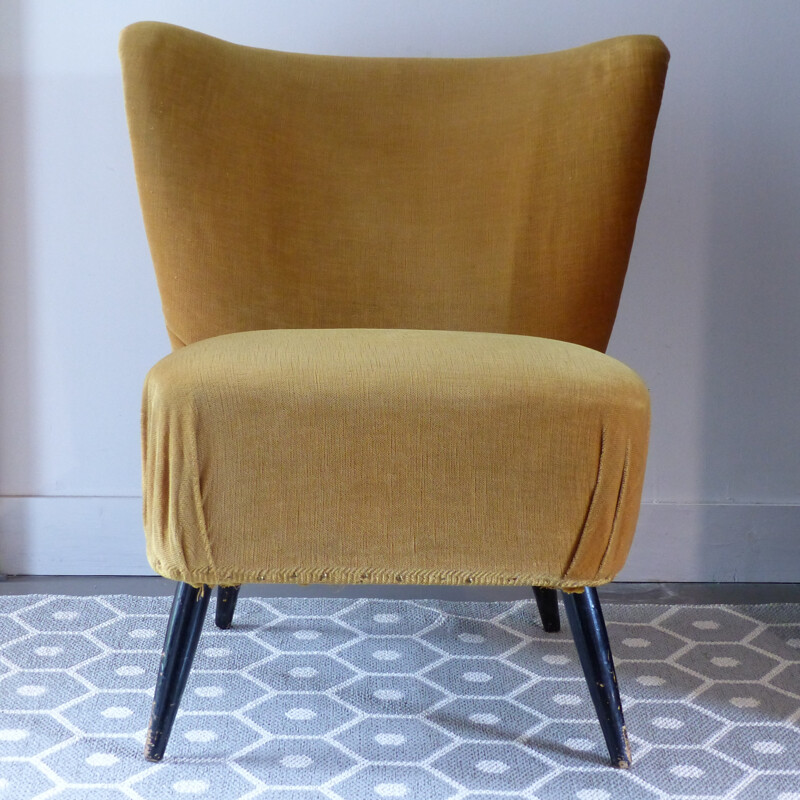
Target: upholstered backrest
299,191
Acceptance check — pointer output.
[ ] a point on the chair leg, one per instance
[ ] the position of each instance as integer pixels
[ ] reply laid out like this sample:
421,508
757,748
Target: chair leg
183,632
226,605
547,601
591,639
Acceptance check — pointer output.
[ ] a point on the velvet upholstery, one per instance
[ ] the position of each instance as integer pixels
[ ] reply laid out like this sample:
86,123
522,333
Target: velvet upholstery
384,456
388,284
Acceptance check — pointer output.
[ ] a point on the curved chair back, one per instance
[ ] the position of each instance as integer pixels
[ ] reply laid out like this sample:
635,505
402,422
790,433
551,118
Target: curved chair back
299,191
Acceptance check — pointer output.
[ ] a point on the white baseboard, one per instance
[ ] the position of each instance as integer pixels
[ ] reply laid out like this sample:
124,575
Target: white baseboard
719,543
674,542
72,536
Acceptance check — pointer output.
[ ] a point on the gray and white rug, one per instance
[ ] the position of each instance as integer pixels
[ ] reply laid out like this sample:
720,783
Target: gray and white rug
341,699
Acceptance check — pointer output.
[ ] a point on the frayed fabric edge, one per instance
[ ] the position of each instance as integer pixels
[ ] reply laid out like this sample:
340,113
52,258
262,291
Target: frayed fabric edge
355,576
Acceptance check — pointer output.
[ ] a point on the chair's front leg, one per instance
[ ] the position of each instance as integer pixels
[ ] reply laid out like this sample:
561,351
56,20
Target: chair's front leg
547,602
226,605
183,632
591,639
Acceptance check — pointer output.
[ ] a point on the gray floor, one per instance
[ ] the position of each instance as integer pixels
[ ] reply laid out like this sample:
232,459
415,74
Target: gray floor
694,593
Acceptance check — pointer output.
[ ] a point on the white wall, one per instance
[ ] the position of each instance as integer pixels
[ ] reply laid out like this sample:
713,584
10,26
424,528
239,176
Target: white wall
709,315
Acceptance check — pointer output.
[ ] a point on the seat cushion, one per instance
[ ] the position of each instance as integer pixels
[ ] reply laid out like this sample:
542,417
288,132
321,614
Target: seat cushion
388,456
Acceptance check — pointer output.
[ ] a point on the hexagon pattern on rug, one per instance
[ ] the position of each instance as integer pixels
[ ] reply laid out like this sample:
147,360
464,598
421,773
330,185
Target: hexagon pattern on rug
365,699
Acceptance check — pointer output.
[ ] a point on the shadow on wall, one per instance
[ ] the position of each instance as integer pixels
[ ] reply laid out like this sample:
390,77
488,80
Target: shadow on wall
17,397
752,316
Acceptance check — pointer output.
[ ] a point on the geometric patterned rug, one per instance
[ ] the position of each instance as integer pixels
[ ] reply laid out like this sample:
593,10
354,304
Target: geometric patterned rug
367,699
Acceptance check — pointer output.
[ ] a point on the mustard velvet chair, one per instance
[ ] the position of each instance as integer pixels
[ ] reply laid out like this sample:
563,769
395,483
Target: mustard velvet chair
388,284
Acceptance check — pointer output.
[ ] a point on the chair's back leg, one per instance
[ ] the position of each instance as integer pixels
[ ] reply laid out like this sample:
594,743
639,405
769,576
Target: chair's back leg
183,632
591,638
547,601
226,605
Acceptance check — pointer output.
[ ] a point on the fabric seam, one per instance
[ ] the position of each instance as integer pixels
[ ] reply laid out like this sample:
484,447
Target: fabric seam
580,546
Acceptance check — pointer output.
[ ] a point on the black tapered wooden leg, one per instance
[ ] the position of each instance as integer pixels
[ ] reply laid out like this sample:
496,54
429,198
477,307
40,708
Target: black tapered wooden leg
226,605
547,601
183,632
591,639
